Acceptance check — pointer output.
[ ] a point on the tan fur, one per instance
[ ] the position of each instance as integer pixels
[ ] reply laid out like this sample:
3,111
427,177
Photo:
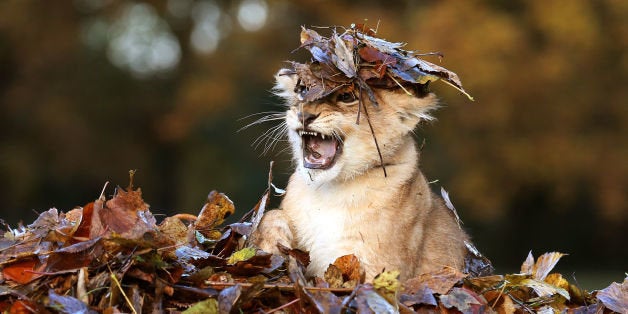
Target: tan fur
392,222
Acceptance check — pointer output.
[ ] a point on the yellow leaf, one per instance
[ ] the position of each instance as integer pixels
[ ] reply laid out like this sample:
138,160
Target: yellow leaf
209,306
388,280
387,284
557,280
241,255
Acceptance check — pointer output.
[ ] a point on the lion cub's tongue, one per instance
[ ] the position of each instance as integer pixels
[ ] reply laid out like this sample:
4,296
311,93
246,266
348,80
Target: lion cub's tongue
319,153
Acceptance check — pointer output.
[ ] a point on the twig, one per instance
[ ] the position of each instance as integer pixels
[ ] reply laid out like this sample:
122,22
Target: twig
115,280
501,292
81,290
218,285
102,194
284,306
399,84
379,152
188,217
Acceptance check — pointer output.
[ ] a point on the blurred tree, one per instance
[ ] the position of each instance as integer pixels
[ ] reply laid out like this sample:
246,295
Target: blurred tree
92,88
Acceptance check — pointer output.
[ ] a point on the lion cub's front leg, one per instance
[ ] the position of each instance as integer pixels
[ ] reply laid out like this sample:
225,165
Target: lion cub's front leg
273,229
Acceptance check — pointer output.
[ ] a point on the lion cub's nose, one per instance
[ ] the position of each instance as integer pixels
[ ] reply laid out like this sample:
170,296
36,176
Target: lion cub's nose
306,117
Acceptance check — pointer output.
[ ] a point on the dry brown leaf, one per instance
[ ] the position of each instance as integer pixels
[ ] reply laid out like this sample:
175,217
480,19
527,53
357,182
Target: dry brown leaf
333,276
350,267
440,281
125,214
465,300
615,296
506,306
22,272
174,229
545,263
216,209
528,264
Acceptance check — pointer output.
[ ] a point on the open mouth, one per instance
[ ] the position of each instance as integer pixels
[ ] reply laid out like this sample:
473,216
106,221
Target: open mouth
319,150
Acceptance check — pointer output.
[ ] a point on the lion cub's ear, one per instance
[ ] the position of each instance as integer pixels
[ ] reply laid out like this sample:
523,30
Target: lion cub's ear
410,109
285,82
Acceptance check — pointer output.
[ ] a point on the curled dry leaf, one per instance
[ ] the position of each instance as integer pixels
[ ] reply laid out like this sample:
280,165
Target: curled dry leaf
300,256
351,269
216,209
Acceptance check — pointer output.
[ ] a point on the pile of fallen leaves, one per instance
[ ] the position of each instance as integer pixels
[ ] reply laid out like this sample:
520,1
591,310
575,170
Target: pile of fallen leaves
111,256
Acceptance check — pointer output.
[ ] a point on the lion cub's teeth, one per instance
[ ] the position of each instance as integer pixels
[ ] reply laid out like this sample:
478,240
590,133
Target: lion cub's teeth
323,136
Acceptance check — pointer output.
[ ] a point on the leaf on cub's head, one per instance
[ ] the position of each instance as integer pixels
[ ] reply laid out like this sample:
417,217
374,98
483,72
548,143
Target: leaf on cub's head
357,55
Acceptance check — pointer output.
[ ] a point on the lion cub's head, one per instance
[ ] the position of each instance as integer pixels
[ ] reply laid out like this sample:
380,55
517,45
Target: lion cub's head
331,138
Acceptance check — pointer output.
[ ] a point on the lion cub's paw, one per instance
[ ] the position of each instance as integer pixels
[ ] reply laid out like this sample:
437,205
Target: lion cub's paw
272,230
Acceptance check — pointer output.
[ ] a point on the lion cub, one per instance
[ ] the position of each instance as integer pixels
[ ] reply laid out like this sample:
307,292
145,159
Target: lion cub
339,202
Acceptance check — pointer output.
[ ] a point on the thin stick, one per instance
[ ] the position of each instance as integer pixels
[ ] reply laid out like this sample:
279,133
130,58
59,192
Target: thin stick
115,280
360,101
218,285
379,152
187,217
284,306
102,194
501,292
405,90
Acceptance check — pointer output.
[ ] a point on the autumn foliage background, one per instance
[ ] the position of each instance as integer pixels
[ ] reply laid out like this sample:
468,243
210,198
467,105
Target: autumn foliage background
92,88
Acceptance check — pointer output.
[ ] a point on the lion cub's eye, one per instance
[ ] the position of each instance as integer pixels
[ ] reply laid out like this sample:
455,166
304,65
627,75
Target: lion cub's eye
345,97
299,89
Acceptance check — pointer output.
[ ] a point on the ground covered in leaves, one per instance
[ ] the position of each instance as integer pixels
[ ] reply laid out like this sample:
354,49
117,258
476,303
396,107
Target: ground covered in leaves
111,256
